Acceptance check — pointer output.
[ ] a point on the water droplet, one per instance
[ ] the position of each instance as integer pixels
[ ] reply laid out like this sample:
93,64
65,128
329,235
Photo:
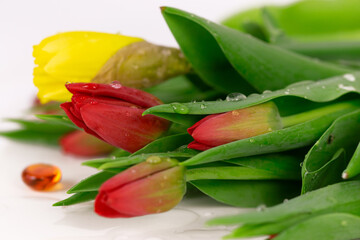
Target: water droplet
253,95
219,100
179,108
113,157
301,164
68,83
285,200
115,84
203,106
153,159
133,171
343,223
233,97
93,102
90,86
347,88
323,87
235,113
349,77
307,88
251,140
261,208
287,92
267,91
126,135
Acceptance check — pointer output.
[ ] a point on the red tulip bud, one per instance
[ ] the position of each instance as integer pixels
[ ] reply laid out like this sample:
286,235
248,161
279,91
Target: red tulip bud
154,186
218,129
113,113
81,144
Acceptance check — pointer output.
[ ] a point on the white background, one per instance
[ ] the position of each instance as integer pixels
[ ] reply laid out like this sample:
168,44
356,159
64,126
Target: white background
25,214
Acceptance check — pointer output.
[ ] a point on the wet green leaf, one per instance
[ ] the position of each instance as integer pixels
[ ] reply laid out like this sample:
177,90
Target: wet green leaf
320,91
244,193
324,163
341,197
231,61
77,198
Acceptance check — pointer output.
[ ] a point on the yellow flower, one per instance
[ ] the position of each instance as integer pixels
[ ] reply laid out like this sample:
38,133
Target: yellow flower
72,57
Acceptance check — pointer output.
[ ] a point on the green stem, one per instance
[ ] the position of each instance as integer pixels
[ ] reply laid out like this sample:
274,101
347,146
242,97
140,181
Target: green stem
320,112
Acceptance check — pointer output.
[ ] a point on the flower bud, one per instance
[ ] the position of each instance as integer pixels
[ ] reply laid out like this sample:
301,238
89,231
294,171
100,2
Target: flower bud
72,57
81,144
154,186
142,65
218,129
113,113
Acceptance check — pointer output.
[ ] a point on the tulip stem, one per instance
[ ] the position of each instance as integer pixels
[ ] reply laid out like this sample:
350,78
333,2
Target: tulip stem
320,112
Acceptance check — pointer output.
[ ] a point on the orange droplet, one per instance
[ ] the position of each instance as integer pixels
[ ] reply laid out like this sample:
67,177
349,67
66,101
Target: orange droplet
41,176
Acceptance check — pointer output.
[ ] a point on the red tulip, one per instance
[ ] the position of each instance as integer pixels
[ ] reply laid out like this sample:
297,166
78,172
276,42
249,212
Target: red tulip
113,113
154,186
81,144
219,129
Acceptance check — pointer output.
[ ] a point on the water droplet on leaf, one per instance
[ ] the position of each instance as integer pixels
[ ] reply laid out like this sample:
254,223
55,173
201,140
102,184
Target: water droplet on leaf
179,108
233,97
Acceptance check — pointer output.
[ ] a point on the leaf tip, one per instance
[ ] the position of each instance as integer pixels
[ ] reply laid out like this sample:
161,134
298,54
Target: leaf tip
163,8
345,175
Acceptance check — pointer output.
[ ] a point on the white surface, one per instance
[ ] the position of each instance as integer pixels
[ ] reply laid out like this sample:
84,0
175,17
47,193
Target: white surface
25,214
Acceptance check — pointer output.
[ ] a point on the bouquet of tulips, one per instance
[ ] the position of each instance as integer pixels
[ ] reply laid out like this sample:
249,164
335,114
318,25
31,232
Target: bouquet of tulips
260,109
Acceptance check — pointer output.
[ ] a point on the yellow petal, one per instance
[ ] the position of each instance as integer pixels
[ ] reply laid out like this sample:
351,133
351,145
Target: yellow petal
72,57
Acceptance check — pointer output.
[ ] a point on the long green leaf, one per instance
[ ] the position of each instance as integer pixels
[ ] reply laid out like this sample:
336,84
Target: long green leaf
92,183
341,197
320,91
77,198
320,166
230,60
353,168
248,193
334,226
235,173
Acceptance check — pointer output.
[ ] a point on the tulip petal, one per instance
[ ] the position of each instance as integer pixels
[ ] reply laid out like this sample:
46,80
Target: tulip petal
136,172
191,129
154,194
68,108
123,127
198,146
102,208
82,144
117,91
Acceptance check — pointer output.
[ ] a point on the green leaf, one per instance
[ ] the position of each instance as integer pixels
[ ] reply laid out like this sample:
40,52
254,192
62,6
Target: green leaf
91,183
128,161
334,226
320,91
353,168
165,144
341,197
33,137
235,173
41,126
247,193
229,60
180,89
161,145
57,119
279,164
293,137
270,228
77,198
324,163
